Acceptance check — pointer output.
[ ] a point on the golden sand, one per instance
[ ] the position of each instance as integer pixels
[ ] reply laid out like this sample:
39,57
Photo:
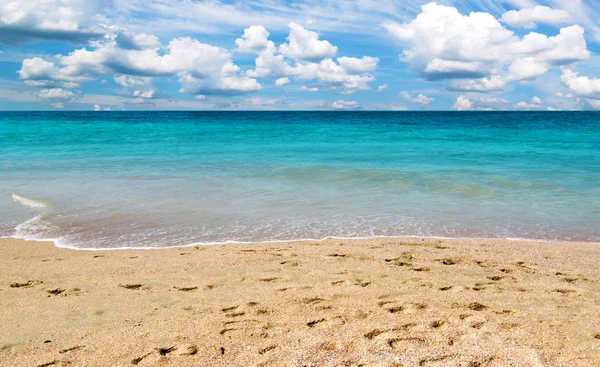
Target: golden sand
379,302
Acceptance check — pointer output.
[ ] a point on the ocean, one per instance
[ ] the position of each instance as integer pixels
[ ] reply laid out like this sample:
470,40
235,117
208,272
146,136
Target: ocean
159,179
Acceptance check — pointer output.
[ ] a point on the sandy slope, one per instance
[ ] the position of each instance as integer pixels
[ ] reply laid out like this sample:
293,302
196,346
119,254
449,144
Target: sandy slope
383,302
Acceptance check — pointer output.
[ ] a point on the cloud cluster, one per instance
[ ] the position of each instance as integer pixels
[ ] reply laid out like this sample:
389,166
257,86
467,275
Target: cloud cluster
530,17
62,20
477,53
345,105
201,69
585,90
420,99
135,60
305,57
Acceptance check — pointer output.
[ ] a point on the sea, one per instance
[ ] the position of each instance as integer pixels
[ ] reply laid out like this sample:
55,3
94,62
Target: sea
110,180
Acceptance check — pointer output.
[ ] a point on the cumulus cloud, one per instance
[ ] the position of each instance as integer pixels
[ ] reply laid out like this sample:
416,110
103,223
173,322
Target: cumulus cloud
382,87
581,85
141,41
527,68
345,105
355,65
535,104
38,72
462,104
56,94
254,40
478,51
282,81
201,68
138,86
481,103
304,45
483,85
306,57
529,17
62,20
421,99
270,64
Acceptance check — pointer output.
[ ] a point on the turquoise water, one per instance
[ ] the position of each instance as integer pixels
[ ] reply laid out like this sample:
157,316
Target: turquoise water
155,179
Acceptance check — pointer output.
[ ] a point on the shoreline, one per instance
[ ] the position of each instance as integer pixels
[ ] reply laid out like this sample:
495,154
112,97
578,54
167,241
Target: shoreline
375,302
301,240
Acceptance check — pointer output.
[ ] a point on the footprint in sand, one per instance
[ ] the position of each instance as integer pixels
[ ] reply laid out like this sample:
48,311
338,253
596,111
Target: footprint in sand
401,343
186,289
315,322
437,324
182,350
267,349
268,280
72,349
47,364
565,291
131,286
56,291
27,284
476,306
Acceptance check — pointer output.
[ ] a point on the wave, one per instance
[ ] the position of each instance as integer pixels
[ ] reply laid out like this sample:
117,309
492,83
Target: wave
28,202
38,229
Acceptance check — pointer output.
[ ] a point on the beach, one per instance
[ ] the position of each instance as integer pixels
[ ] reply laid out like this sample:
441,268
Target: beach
336,302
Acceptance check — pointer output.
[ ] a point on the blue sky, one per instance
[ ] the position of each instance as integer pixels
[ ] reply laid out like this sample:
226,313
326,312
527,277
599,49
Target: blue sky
299,55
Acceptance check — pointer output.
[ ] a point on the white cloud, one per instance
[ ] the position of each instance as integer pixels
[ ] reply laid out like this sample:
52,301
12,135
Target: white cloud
528,17
268,64
353,65
421,99
141,41
38,72
483,85
304,45
477,53
306,51
56,94
594,103
581,85
97,107
334,75
382,87
481,103
309,89
462,104
129,81
58,105
138,86
535,104
281,82
345,105
201,68
63,20
254,40
526,69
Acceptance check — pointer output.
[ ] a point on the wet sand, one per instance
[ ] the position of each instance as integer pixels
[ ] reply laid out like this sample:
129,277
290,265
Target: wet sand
378,302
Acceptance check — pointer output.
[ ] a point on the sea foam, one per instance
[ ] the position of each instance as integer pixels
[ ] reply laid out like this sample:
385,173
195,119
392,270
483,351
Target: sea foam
28,202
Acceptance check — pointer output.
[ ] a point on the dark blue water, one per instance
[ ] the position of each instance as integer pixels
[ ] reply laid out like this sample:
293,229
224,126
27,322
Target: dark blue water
153,179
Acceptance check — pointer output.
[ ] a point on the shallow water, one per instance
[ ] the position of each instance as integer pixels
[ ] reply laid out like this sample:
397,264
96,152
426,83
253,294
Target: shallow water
154,179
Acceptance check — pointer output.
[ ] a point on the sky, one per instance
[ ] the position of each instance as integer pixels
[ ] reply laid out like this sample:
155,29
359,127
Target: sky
97,55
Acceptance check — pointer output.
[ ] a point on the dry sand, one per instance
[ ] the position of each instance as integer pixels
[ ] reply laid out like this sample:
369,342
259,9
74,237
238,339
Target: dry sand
379,302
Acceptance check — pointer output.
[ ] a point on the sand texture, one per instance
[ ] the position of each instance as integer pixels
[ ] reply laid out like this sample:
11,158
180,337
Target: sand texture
379,302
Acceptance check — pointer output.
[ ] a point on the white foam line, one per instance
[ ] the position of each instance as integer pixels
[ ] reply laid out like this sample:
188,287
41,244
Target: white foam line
60,245
28,202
